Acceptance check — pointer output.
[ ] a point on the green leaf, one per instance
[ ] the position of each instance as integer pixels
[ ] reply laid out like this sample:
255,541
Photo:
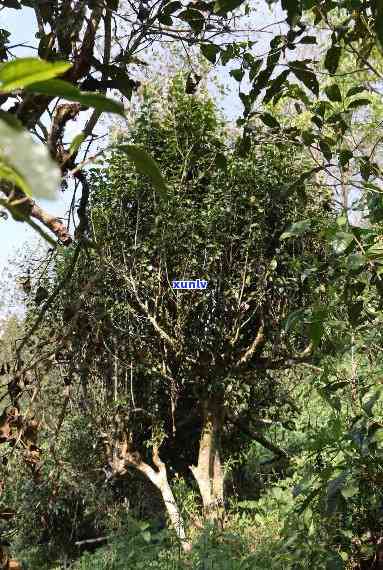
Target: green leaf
248,504
354,312
171,7
269,120
276,86
332,59
237,74
308,78
29,162
373,396
316,330
335,386
334,562
355,91
365,169
308,40
222,7
293,11
350,490
194,18
11,175
377,436
210,51
317,121
326,149
295,318
146,165
333,492
11,4
375,207
59,88
341,242
333,92
112,4
375,251
308,138
297,229
11,120
77,142
165,19
221,161
358,103
355,261
22,72
320,108
345,155
254,68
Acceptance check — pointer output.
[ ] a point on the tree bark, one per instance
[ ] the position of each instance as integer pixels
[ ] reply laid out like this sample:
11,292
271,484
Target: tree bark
209,472
159,478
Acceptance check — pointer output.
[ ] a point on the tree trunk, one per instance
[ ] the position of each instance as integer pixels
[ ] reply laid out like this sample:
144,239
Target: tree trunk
209,472
159,478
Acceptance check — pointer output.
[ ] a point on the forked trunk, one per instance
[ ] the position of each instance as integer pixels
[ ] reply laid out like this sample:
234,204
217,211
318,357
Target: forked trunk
124,457
209,472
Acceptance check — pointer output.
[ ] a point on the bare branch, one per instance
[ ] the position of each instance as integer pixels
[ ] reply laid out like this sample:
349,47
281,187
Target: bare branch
249,353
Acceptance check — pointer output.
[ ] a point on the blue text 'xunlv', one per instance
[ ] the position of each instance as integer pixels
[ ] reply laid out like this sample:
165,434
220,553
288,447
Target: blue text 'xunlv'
197,284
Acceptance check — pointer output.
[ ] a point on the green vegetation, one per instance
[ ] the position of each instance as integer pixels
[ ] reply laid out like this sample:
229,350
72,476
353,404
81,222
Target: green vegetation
238,427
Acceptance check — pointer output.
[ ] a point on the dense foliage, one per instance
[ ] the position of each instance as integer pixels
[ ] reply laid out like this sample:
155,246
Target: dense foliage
259,375
238,426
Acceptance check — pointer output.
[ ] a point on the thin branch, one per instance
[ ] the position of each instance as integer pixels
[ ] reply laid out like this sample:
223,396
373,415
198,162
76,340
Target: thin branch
259,438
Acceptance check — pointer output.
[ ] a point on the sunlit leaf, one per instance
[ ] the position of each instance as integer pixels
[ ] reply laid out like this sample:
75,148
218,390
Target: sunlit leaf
146,165
9,174
341,242
297,229
59,88
377,436
350,490
355,261
22,72
77,142
375,251
30,160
